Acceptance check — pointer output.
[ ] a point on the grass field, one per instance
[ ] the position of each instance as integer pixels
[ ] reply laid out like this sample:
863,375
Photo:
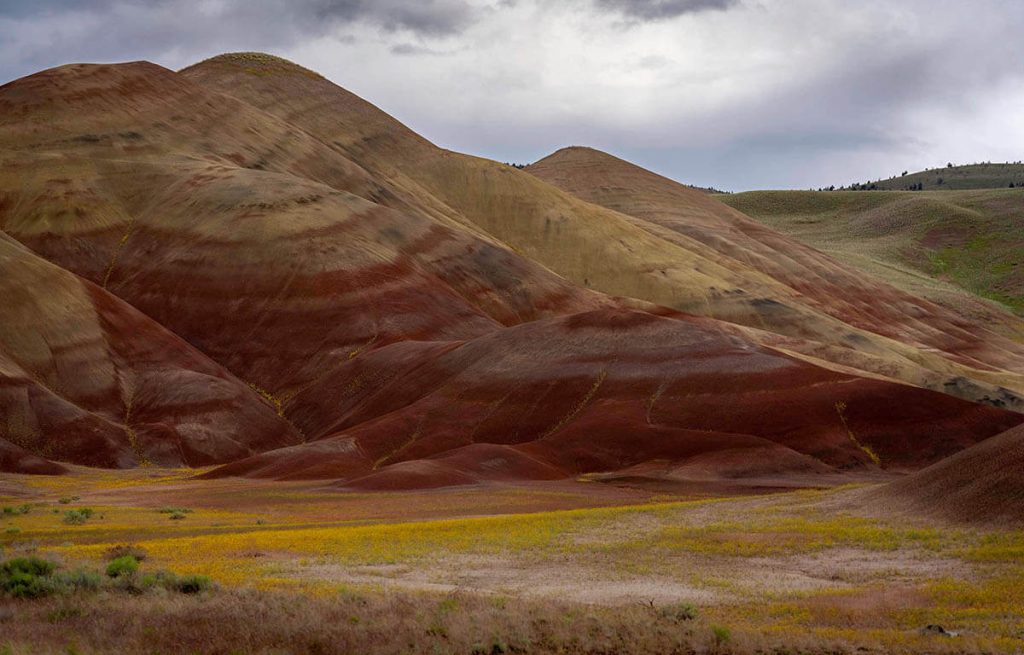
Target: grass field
812,569
999,175
935,244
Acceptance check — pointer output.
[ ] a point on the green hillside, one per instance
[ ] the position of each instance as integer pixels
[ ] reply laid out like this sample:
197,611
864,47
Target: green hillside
953,178
933,243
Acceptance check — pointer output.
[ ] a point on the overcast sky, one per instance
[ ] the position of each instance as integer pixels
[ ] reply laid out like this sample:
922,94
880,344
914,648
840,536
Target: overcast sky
736,94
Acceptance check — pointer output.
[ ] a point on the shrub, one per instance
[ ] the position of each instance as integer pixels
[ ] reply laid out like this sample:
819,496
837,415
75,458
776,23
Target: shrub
121,550
27,577
77,516
79,580
160,579
193,584
177,516
720,635
33,565
14,511
681,612
174,510
26,585
123,566
186,584
64,500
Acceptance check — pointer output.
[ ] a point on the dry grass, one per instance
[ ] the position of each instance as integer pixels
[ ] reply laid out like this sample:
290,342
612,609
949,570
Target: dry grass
346,622
886,233
811,569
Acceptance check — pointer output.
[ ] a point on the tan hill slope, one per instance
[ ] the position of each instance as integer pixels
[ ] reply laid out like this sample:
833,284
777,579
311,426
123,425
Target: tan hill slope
901,337
239,259
812,279
936,245
420,317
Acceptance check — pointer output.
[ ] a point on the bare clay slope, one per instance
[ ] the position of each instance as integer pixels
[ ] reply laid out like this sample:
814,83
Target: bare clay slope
86,378
792,296
680,213
604,390
983,484
361,283
241,233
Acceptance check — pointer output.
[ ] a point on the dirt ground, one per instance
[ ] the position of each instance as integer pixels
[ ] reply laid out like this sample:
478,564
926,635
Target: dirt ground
822,564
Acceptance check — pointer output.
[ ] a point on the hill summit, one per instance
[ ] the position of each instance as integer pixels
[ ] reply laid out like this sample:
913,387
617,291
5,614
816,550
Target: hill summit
260,270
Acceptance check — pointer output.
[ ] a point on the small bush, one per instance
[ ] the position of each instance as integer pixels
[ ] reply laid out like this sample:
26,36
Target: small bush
123,567
121,550
27,577
14,511
681,612
193,584
174,510
720,635
64,500
159,580
79,580
32,565
77,516
63,614
177,516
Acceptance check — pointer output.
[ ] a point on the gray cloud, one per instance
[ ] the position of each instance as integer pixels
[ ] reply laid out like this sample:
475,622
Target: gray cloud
661,9
411,49
44,33
432,17
767,93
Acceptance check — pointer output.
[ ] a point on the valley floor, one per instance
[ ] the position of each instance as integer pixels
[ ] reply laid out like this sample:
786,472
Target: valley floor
553,567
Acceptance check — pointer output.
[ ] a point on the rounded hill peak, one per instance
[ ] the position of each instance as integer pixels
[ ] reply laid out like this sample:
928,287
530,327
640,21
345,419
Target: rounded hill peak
257,63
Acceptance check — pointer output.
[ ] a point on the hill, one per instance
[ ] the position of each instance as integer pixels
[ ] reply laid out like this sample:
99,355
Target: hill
955,178
398,315
983,484
929,243
86,378
614,252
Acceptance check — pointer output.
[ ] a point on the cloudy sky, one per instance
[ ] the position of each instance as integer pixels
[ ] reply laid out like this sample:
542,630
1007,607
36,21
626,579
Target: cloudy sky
736,94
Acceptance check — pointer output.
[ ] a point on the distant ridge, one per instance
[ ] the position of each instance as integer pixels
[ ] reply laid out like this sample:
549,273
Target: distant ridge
950,178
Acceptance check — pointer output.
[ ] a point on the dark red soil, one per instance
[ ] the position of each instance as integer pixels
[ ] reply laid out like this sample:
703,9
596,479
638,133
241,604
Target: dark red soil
611,389
14,459
983,484
264,301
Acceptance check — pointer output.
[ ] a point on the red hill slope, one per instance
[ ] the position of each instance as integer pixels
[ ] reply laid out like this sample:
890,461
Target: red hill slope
605,390
213,218
662,242
983,484
88,379
418,317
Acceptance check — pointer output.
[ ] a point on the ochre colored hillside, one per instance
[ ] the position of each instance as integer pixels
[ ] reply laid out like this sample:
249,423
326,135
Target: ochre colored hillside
263,269
796,298
270,272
